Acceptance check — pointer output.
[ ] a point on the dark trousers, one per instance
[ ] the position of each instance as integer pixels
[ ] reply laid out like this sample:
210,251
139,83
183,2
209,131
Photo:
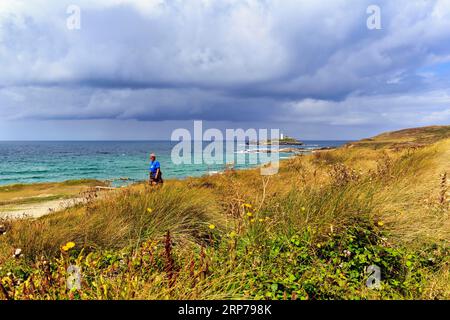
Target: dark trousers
156,178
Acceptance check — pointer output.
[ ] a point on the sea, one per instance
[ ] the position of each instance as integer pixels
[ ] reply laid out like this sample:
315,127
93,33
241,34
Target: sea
120,162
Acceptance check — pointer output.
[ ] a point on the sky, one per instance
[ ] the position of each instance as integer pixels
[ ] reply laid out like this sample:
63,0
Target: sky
138,69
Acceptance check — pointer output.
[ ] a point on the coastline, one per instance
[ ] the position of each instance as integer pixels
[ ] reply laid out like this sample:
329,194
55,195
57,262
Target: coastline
330,197
43,198
38,199
63,161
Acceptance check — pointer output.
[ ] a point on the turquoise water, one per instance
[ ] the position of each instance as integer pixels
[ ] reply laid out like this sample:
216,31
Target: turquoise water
30,162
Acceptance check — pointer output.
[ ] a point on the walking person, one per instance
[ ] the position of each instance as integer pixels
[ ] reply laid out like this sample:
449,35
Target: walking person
155,174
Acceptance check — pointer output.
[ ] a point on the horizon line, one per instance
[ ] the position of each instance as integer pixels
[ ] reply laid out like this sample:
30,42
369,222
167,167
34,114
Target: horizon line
152,140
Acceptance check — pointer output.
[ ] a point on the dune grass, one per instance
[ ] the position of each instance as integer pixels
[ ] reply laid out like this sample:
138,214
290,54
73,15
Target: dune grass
406,138
308,232
18,194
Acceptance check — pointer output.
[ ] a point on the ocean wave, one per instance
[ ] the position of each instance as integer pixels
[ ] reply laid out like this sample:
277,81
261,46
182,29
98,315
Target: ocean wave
64,161
24,172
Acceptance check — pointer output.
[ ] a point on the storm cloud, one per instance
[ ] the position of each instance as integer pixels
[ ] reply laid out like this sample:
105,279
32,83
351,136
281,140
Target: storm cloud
297,64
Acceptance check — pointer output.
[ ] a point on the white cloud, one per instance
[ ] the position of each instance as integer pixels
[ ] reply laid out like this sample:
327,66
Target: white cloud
282,60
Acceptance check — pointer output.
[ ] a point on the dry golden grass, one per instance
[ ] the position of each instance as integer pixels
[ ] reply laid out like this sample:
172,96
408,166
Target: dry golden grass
400,190
38,192
118,219
407,138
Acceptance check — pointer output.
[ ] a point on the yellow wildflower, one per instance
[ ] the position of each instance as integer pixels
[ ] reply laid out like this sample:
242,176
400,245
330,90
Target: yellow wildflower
261,220
380,223
249,214
303,209
232,234
212,227
253,220
69,245
247,205
149,210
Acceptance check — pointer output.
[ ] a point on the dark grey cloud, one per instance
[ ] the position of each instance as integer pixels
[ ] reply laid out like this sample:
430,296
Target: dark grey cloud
304,62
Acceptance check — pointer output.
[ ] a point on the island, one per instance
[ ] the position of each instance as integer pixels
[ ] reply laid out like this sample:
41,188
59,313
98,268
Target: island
283,141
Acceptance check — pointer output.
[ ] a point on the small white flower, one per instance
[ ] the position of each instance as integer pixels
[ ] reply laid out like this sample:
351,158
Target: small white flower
347,253
17,253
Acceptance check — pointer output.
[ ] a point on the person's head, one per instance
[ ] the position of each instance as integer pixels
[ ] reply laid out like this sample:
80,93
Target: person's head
152,157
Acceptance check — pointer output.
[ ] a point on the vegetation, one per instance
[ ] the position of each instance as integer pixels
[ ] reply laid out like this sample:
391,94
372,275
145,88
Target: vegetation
407,138
286,141
40,192
309,232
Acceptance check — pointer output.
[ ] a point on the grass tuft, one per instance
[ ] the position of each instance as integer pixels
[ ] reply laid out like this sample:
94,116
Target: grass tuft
309,232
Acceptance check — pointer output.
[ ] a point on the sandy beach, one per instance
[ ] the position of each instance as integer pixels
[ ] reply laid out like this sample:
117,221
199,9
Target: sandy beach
36,210
39,199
